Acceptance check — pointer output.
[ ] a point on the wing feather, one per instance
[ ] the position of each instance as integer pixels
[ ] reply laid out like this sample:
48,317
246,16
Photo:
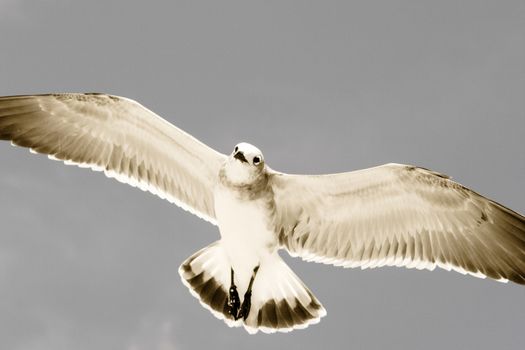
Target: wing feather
398,215
119,137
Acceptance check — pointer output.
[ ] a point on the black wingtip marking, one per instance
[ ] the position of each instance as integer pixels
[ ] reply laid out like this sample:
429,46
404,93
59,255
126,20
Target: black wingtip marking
435,173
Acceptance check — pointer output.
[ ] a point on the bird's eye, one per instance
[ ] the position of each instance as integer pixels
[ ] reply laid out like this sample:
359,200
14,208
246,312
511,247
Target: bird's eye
235,149
256,160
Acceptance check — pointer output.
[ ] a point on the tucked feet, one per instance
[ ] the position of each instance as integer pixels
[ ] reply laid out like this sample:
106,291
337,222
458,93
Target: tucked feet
233,304
247,301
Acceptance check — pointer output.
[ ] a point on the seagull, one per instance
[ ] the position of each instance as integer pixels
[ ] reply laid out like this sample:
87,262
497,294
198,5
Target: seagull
389,215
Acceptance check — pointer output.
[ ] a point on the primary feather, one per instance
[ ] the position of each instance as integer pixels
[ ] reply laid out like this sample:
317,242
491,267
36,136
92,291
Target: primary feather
120,137
398,215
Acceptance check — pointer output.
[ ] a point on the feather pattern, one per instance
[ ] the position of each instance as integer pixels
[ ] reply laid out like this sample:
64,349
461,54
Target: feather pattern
397,215
120,137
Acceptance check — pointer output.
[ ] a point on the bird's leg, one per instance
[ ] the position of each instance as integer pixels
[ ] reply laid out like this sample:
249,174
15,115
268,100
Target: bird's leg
233,302
247,302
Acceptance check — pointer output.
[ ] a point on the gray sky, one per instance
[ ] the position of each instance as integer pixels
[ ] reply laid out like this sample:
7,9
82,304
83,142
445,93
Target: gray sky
88,263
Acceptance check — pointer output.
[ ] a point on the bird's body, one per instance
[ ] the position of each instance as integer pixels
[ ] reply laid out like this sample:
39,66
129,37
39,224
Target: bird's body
246,235
390,215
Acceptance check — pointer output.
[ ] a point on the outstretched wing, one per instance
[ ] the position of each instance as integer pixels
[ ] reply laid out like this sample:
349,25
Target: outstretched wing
120,137
398,215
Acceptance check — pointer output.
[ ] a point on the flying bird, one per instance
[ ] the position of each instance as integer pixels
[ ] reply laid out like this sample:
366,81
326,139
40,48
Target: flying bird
389,215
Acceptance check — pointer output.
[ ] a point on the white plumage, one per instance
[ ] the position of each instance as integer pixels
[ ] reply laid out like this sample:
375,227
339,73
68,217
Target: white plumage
393,215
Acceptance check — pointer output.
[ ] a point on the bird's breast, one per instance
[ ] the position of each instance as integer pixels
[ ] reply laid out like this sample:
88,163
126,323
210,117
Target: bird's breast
244,225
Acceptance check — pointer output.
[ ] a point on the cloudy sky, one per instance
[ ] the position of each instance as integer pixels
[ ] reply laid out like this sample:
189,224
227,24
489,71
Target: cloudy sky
88,263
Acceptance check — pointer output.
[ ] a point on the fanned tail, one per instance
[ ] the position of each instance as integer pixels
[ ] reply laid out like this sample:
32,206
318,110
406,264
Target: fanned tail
280,302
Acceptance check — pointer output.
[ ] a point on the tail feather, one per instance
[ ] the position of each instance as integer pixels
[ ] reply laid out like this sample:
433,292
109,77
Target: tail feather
280,301
204,275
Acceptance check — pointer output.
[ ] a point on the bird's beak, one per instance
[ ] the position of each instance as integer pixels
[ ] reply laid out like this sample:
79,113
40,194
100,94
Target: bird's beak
240,156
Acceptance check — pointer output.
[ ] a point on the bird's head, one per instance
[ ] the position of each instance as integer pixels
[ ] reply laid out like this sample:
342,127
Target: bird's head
245,164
